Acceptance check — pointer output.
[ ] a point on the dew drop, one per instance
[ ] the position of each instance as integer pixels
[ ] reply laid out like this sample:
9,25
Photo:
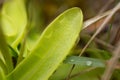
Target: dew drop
71,60
89,63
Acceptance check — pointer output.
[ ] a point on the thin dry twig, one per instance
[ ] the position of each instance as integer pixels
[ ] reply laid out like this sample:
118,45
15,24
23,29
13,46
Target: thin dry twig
106,6
108,46
82,72
116,38
95,19
101,27
68,77
108,18
112,63
117,66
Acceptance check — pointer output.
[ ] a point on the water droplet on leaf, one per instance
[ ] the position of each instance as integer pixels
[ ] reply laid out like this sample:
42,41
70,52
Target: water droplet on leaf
89,63
71,60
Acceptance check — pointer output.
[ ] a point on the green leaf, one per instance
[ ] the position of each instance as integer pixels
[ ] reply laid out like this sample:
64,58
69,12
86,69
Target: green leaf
14,20
83,73
12,51
85,61
5,52
3,66
36,23
52,47
2,75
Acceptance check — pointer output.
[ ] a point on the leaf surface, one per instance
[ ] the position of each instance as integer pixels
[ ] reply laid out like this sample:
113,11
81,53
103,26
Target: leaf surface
14,20
52,47
85,61
2,75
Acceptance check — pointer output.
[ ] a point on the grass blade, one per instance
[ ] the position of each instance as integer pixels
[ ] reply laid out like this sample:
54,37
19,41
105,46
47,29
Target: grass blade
85,61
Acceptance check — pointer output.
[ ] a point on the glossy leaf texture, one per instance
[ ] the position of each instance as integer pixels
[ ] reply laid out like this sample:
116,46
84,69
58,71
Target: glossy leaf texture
52,47
14,20
85,61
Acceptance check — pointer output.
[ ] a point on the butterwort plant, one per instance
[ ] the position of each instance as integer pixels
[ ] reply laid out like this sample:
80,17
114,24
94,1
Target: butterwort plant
48,52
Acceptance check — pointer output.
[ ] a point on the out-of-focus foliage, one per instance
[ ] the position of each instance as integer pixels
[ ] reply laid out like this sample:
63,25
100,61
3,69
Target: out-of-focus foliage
25,21
14,20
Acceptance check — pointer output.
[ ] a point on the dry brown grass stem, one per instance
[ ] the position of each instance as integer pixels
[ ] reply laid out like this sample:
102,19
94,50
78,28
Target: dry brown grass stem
112,63
108,18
